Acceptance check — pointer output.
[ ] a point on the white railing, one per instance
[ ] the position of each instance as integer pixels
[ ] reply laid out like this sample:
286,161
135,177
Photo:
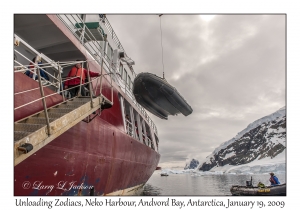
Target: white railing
129,127
34,69
96,50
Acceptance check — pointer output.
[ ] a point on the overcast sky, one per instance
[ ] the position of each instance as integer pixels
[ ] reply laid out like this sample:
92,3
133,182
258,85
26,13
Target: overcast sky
229,68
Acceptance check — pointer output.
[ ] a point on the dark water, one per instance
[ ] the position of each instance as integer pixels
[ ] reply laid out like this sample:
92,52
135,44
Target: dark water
194,184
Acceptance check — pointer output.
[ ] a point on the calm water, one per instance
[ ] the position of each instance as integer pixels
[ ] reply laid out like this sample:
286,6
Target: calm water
210,185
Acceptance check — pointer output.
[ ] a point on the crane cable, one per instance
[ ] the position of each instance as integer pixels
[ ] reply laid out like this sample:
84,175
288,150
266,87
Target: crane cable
162,49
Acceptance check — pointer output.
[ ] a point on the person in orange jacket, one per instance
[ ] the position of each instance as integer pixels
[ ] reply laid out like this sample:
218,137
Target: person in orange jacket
74,83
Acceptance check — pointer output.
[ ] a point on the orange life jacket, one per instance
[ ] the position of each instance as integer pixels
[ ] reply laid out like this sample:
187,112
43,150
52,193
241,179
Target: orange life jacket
75,72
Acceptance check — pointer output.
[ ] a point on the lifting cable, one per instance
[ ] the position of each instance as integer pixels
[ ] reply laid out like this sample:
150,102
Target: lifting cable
162,49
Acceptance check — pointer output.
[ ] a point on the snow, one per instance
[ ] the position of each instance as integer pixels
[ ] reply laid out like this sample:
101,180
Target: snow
265,165
174,171
262,166
278,138
278,114
229,154
275,136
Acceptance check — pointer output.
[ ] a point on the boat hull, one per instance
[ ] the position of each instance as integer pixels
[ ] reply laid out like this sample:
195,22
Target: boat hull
158,96
278,190
96,155
90,158
95,158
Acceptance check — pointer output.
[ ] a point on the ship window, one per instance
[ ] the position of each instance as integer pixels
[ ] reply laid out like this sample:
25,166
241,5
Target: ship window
121,69
137,127
129,82
156,141
109,51
128,120
125,76
101,45
147,136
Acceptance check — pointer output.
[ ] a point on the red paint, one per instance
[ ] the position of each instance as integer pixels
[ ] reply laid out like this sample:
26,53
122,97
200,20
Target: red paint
88,153
23,83
98,154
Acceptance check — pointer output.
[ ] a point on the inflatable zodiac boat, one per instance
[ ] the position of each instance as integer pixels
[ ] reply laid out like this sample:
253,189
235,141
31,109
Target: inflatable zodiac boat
250,190
157,96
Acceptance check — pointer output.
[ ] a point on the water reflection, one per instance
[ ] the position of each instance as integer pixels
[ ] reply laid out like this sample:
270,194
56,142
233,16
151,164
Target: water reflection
150,190
201,185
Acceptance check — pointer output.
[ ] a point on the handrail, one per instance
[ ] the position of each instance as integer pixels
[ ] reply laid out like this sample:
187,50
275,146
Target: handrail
113,34
73,29
95,49
129,127
59,80
33,68
43,100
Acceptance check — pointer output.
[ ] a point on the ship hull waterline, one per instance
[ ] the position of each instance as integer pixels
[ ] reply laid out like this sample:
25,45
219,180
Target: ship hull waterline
96,158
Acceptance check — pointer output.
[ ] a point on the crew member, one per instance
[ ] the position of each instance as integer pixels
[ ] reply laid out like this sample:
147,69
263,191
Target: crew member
74,84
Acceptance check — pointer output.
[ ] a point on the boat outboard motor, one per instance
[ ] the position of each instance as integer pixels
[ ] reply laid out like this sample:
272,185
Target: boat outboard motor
249,183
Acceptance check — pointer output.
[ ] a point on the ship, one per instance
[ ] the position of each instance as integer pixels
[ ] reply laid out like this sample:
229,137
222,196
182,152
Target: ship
100,141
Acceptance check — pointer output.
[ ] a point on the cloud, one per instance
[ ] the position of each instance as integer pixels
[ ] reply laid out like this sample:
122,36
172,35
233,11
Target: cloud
231,70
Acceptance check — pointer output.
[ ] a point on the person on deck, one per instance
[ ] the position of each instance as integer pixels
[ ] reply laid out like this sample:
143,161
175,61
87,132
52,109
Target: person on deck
30,72
273,179
74,84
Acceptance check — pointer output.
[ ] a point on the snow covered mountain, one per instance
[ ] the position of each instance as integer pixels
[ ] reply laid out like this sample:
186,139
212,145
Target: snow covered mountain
262,140
192,164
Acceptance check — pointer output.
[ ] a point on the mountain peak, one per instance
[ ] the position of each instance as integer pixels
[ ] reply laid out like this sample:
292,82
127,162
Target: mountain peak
262,138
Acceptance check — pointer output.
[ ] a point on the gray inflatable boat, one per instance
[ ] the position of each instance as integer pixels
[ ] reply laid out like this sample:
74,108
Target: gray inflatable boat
157,96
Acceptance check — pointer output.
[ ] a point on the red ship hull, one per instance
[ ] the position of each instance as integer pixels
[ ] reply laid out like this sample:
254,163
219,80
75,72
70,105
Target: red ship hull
96,158
97,155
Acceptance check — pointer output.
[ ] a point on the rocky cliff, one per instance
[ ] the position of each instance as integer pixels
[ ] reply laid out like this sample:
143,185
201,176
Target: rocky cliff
265,137
192,164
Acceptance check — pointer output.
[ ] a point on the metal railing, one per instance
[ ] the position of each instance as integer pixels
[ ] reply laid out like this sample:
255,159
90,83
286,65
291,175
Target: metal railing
129,127
129,93
35,69
112,33
98,52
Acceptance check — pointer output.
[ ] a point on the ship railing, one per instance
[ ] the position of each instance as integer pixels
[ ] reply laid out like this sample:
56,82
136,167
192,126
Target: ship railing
129,92
144,138
52,80
129,128
112,33
74,23
150,142
147,140
97,81
34,70
92,44
61,91
59,80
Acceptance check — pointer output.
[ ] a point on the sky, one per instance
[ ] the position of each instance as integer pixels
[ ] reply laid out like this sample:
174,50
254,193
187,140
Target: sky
223,102
230,68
